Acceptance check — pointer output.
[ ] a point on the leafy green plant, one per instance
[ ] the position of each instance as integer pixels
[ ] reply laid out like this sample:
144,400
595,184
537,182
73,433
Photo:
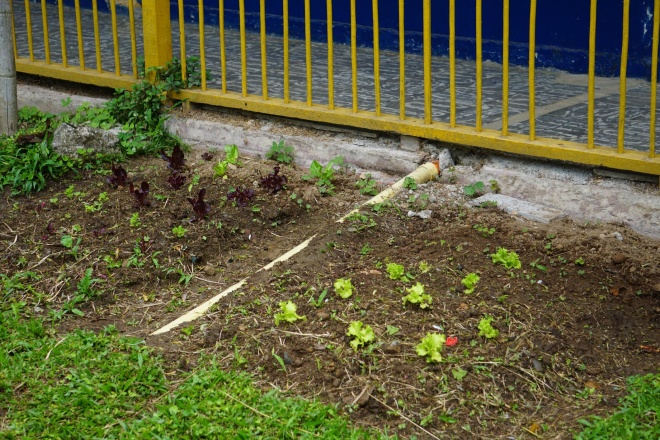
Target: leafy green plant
398,272
344,287
220,169
324,175
431,347
367,185
416,295
484,230
135,220
409,183
424,267
231,154
84,287
179,231
474,189
288,313
362,335
280,152
508,259
68,242
470,282
486,329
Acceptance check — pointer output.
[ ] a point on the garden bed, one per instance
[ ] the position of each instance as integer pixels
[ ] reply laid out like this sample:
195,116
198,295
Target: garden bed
567,327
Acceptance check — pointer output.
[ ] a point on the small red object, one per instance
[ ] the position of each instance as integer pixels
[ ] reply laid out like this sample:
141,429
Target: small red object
451,341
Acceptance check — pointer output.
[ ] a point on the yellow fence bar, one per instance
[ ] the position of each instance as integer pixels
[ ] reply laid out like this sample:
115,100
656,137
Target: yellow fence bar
452,63
241,12
115,36
202,45
44,21
285,42
479,102
354,56
505,69
223,47
402,63
622,75
592,75
308,51
376,56
182,41
56,71
264,60
654,75
81,48
428,111
13,28
60,13
157,31
28,22
97,36
131,23
331,67
532,59
490,139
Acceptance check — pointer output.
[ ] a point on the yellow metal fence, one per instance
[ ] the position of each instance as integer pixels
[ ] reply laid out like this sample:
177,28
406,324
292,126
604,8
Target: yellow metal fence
156,30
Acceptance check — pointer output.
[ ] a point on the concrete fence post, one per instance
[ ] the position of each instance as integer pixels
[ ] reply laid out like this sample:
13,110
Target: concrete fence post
8,100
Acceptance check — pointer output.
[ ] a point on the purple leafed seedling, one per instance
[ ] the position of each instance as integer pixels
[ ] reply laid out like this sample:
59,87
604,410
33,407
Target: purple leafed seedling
273,182
176,180
207,156
200,207
140,194
241,196
176,160
119,177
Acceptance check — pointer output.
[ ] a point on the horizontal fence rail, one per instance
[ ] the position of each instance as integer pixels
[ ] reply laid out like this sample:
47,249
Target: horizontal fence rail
416,74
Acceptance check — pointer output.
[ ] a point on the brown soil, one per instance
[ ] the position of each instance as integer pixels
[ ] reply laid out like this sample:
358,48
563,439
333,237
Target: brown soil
569,333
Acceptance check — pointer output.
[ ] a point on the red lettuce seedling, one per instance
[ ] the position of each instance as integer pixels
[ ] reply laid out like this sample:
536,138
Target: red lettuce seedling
273,182
207,156
140,194
241,196
119,176
176,180
176,160
200,207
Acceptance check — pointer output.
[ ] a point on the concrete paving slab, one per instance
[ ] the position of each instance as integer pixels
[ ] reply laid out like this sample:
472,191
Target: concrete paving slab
528,210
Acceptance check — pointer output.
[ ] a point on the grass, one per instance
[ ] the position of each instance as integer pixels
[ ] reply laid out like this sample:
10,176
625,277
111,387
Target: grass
103,385
638,418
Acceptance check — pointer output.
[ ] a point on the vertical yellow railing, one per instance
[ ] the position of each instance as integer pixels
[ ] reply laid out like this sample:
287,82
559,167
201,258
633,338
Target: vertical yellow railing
241,13
182,40
308,51
622,76
452,63
97,36
654,75
28,22
285,42
202,45
81,47
591,107
354,57
532,59
223,47
44,21
479,73
264,60
131,23
402,63
115,36
376,30
331,66
428,111
60,13
505,69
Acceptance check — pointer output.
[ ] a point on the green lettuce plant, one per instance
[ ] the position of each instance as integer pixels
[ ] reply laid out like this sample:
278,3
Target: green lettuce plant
431,346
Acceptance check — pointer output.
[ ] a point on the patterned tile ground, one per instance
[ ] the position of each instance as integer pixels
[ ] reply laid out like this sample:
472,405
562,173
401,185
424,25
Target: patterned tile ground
566,99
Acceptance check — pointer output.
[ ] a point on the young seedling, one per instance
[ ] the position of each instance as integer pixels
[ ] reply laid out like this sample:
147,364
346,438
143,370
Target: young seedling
200,207
231,155
409,183
486,329
362,335
140,194
398,272
273,182
367,186
288,313
119,177
344,287
241,196
280,152
323,175
176,180
179,231
474,189
135,220
508,259
431,346
176,161
417,296
470,282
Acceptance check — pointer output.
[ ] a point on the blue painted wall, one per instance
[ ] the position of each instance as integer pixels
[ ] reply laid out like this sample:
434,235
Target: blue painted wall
562,35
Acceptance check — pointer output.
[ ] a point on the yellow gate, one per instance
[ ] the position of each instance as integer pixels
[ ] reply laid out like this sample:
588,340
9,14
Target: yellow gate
365,87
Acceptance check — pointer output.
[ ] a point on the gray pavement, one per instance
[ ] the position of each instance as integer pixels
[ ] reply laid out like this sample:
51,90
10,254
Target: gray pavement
561,103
